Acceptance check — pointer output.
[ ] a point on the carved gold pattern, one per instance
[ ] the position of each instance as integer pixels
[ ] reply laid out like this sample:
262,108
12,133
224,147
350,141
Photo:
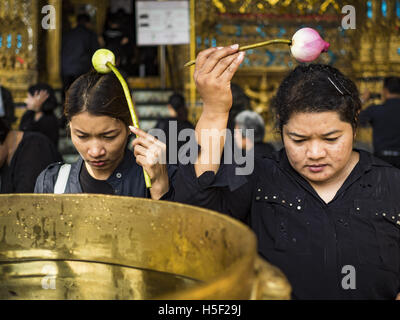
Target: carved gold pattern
18,50
366,54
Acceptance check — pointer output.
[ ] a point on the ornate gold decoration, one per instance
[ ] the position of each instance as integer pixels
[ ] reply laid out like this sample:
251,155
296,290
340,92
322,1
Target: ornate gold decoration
260,97
366,54
260,100
324,6
18,49
272,2
376,52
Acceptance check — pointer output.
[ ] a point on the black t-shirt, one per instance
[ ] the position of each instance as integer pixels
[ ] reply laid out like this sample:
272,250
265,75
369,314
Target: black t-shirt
92,185
164,124
309,240
78,47
47,124
8,106
263,149
34,153
384,120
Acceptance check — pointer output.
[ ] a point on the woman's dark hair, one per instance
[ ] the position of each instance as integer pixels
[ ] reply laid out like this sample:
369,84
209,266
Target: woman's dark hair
98,94
316,88
4,130
51,102
240,102
177,101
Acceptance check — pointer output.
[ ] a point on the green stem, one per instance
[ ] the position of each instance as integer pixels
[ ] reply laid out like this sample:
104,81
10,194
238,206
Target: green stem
131,109
265,43
252,46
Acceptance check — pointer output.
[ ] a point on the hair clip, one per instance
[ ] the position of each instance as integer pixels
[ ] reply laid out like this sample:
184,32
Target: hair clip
335,86
347,92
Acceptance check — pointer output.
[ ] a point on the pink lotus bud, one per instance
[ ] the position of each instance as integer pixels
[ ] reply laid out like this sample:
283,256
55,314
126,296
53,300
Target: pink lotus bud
307,45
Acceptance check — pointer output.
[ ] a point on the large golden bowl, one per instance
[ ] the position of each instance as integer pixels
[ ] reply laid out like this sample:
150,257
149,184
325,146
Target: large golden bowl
109,247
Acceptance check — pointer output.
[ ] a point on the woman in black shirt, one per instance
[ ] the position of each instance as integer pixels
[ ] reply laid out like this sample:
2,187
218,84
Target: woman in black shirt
39,117
176,123
326,214
23,155
7,107
98,118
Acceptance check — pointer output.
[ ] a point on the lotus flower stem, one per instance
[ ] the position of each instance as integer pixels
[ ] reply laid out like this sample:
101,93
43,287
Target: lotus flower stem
131,109
127,94
265,43
252,46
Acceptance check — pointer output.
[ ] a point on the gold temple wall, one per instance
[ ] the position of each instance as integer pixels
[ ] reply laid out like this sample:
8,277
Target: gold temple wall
224,22
18,49
366,54
28,53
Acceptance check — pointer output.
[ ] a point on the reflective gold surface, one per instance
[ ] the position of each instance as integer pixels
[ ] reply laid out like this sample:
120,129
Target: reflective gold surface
109,247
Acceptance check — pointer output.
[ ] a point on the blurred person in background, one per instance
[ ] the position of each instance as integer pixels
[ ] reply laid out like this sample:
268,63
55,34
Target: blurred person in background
78,47
178,118
240,102
384,120
250,120
6,106
116,39
23,155
39,116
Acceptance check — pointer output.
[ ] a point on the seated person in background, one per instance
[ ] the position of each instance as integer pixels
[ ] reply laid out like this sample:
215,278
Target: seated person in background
250,120
385,120
324,213
178,119
115,38
98,119
240,102
23,155
6,106
78,47
39,117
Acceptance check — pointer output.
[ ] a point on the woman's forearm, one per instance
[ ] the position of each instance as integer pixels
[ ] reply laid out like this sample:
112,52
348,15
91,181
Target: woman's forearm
210,135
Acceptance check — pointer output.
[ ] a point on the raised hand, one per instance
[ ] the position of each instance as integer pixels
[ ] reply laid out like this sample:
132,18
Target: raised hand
365,96
150,153
214,71
39,98
215,68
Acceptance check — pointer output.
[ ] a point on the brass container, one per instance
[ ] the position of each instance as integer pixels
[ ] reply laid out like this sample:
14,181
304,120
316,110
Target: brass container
110,247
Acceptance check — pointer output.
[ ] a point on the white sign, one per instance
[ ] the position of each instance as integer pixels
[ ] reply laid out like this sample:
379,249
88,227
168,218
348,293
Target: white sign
162,23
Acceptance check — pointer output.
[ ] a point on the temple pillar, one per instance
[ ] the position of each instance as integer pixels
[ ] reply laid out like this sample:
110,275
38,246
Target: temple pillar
53,47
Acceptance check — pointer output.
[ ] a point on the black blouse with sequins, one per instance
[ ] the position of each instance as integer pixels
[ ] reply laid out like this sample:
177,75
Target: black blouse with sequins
348,248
